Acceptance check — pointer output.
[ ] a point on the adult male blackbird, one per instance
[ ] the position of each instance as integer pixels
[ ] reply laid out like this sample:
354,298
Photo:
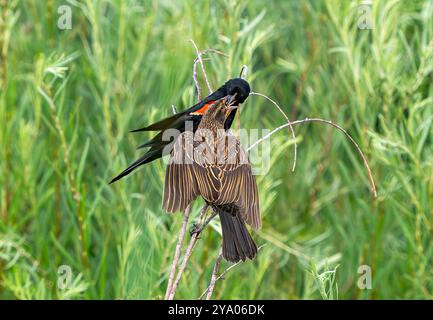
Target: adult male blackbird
235,91
212,164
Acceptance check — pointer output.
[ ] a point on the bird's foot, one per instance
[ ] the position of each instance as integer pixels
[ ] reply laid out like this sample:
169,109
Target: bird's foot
196,229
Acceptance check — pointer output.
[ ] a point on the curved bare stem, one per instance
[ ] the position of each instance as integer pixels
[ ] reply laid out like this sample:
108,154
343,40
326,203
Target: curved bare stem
198,59
288,124
370,175
244,72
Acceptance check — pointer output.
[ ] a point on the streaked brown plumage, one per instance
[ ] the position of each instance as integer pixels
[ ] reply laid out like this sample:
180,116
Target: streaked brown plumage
213,164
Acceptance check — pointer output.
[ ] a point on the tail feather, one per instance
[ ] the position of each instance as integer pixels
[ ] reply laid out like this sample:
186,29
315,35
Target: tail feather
148,157
164,123
237,242
157,141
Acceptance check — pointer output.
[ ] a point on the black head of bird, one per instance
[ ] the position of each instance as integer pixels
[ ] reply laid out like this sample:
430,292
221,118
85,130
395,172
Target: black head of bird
238,90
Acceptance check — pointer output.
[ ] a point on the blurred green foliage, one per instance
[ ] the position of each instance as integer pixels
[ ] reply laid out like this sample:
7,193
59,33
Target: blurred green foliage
69,97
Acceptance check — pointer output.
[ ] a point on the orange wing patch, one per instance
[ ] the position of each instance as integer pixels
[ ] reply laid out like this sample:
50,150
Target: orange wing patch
203,109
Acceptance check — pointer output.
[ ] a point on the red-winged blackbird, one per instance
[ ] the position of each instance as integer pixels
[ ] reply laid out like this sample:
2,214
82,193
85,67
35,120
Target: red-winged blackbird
235,91
212,164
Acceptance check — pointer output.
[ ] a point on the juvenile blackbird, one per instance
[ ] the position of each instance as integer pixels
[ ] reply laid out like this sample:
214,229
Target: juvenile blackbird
212,164
235,91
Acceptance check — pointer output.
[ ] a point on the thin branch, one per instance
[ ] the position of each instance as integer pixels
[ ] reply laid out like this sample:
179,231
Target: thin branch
208,289
288,124
177,252
244,72
186,257
370,175
214,274
199,53
194,76
202,65
194,69
219,277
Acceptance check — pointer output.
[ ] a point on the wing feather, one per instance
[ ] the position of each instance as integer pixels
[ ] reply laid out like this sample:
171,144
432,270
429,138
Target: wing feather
238,185
190,174
180,187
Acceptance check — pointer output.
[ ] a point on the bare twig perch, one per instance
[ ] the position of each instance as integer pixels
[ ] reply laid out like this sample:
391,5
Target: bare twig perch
215,278
188,253
209,289
177,252
370,175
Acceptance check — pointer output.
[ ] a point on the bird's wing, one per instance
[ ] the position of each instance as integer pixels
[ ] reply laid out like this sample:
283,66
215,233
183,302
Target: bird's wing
193,170
238,184
206,173
181,186
178,118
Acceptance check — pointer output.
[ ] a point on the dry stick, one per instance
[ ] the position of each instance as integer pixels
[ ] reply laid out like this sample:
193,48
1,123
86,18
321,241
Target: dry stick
210,288
194,70
202,65
370,175
177,252
194,76
288,123
244,72
214,274
199,53
219,277
187,256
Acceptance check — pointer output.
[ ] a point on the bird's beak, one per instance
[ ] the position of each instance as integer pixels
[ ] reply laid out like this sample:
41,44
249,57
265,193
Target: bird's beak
231,99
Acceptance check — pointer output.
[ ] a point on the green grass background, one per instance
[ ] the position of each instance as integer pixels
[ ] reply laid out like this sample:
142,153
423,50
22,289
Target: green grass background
69,97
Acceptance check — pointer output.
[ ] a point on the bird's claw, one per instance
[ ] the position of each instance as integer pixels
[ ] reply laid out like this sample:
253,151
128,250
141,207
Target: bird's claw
195,230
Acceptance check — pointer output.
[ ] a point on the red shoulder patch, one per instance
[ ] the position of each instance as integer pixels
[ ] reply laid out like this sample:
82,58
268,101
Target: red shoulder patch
203,109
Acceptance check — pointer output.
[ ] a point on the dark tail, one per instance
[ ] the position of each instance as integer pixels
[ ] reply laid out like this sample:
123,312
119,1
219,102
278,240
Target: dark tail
164,123
237,242
146,158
